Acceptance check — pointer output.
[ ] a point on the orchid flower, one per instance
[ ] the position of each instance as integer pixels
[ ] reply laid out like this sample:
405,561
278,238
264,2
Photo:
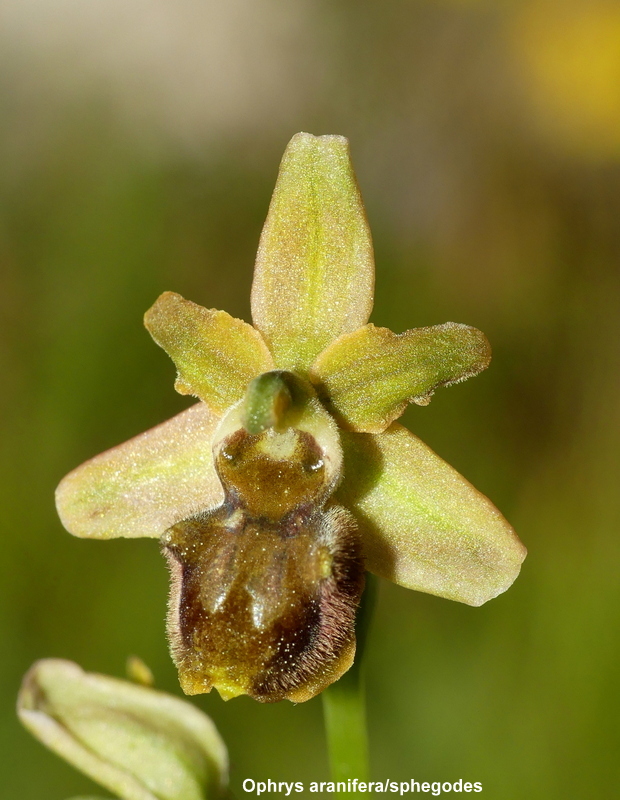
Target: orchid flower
291,477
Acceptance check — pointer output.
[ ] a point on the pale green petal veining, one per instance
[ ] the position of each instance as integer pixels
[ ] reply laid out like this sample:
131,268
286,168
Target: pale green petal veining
424,525
314,275
146,484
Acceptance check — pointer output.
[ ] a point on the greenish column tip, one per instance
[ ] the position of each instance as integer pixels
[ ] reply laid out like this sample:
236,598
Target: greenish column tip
266,402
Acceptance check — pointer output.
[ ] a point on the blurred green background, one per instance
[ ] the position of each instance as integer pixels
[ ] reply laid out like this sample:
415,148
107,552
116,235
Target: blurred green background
139,145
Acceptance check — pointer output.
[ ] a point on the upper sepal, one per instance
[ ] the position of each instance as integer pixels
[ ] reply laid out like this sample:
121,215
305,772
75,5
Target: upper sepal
423,525
314,275
369,376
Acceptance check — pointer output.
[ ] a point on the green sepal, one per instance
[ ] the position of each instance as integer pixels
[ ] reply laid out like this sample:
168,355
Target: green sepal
145,485
424,526
314,275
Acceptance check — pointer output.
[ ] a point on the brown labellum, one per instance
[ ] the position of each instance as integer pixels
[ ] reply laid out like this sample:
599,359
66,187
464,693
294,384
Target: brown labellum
266,586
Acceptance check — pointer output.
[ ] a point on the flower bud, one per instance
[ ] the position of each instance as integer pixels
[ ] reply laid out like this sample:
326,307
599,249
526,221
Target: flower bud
139,743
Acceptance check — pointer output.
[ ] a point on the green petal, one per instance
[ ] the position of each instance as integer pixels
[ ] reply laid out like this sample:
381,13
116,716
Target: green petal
314,273
368,376
215,354
136,742
424,526
147,484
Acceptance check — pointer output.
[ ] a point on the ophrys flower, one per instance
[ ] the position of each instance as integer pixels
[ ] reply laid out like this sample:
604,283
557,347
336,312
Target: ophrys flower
290,476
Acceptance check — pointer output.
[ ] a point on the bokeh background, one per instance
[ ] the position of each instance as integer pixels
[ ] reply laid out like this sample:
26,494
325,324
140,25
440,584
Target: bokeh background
139,144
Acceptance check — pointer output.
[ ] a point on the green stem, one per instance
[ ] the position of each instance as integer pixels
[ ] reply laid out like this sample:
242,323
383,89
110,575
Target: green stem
344,706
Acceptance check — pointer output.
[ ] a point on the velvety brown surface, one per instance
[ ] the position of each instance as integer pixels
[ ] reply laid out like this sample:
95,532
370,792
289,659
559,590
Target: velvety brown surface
266,586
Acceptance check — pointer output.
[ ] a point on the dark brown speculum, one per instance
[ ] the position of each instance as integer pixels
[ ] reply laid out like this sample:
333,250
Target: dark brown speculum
266,586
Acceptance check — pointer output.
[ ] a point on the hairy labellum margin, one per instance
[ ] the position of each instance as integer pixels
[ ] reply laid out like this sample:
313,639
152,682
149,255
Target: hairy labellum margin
265,587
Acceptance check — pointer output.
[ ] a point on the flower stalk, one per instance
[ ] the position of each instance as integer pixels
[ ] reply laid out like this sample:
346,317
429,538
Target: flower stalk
344,705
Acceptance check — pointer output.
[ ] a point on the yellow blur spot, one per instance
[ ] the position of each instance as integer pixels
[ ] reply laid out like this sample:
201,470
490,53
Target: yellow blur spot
139,672
569,57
